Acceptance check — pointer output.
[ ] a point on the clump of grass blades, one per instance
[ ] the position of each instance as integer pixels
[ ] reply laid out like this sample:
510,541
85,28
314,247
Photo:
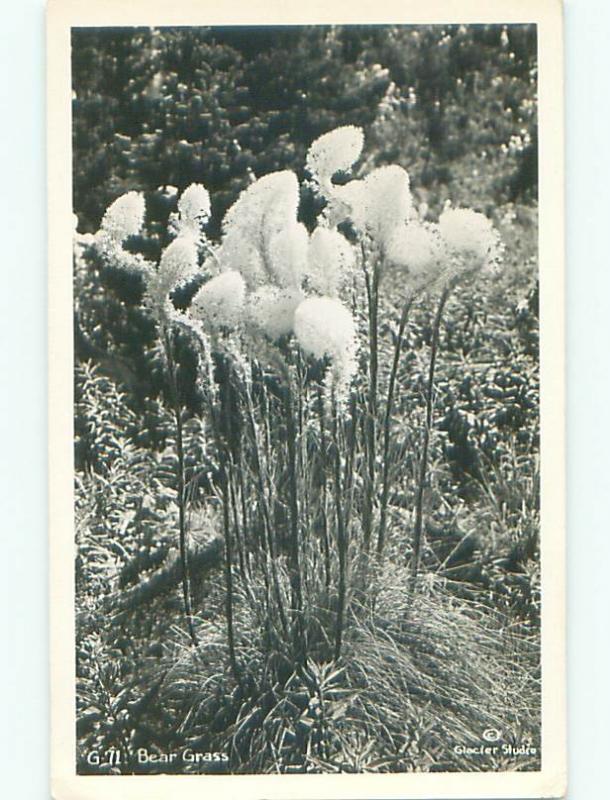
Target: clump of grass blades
421,673
452,668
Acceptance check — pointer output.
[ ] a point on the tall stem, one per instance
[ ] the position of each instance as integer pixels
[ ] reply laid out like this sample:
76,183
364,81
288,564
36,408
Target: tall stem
229,579
295,572
372,291
348,484
341,531
423,466
271,555
387,426
323,448
186,580
242,551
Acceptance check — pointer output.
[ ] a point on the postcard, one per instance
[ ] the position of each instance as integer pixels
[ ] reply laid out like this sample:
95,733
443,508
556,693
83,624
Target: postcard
306,399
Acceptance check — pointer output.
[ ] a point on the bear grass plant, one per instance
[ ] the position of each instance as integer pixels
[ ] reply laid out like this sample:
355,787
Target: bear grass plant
326,646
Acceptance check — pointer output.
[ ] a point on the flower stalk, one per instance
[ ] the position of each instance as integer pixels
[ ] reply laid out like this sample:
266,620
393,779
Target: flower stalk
387,426
180,491
300,647
342,542
324,492
423,464
372,291
229,593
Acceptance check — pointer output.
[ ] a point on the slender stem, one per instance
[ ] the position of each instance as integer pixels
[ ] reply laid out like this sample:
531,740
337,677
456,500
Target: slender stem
372,290
423,466
295,572
242,553
186,580
325,539
341,533
271,552
230,454
229,581
387,426
349,461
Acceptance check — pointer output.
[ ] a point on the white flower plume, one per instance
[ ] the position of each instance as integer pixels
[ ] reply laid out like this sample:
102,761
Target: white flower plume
178,264
287,252
381,202
268,203
193,212
272,309
325,328
376,205
471,234
330,260
219,303
240,253
335,151
194,203
265,210
418,249
124,217
179,261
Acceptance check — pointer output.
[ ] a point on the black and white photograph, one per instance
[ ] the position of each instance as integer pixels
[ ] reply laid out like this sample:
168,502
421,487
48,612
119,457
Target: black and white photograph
305,412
